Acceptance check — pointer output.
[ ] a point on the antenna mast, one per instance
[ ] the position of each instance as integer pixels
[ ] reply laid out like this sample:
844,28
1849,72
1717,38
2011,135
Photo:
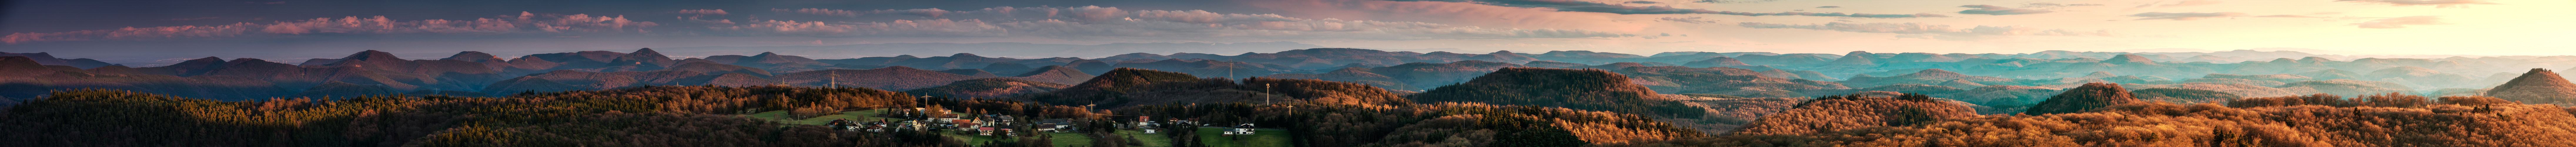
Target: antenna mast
1265,99
833,82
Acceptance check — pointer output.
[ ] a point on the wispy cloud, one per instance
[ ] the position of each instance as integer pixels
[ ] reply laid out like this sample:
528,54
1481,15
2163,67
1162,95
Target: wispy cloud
1586,6
1694,20
505,24
1732,1
2180,3
1093,22
704,11
1932,29
1999,10
199,18
814,11
2434,3
2291,16
2402,22
2184,16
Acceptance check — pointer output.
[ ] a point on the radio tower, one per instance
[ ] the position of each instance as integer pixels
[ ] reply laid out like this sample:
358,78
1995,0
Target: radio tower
1265,99
834,81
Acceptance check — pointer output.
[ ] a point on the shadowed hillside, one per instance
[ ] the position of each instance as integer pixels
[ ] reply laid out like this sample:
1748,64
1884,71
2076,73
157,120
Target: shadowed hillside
2082,99
1585,89
988,88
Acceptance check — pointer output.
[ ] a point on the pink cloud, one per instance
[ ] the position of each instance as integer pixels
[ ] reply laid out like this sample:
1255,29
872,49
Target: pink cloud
1933,29
1092,22
2181,3
2434,3
825,12
931,12
1446,13
199,18
2184,16
2402,22
505,24
1693,20
704,11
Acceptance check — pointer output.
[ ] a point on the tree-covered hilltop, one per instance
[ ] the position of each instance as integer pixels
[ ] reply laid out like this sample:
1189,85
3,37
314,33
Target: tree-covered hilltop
711,116
1436,124
2316,120
1125,87
642,116
1583,89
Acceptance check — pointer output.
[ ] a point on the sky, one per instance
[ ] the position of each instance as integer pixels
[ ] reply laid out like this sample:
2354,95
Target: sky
90,28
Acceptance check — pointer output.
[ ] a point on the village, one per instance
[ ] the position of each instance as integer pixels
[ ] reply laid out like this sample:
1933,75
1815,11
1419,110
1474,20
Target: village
1145,131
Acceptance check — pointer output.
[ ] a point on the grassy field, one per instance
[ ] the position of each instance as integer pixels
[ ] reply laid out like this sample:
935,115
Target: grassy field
1215,137
1150,140
1070,139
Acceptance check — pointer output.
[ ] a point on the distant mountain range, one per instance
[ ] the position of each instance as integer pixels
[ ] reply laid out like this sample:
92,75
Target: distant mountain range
1734,99
1985,79
1003,49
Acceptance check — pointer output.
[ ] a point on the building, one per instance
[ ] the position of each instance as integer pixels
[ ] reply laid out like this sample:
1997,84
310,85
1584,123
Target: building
984,131
842,124
875,127
964,124
1144,121
1003,120
943,117
1244,129
1055,125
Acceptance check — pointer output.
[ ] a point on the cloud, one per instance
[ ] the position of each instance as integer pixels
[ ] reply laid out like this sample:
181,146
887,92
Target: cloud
2402,22
1999,10
2184,16
824,12
1734,1
1643,2
505,24
1693,20
1929,29
2434,3
931,12
1830,7
2181,3
199,18
1580,6
704,11
1094,22
2056,5
709,22
1861,15
1585,6
2292,16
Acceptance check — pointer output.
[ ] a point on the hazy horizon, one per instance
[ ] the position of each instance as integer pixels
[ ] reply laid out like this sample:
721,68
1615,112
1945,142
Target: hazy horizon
2351,27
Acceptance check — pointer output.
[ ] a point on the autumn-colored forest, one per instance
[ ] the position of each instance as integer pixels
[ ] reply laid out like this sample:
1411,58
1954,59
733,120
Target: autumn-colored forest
1510,107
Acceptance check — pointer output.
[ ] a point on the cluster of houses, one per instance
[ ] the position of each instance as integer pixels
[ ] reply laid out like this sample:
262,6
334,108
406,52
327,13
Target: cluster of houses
1149,125
938,120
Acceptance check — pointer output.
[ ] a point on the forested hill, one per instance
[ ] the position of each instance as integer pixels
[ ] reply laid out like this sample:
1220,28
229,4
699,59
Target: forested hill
714,116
